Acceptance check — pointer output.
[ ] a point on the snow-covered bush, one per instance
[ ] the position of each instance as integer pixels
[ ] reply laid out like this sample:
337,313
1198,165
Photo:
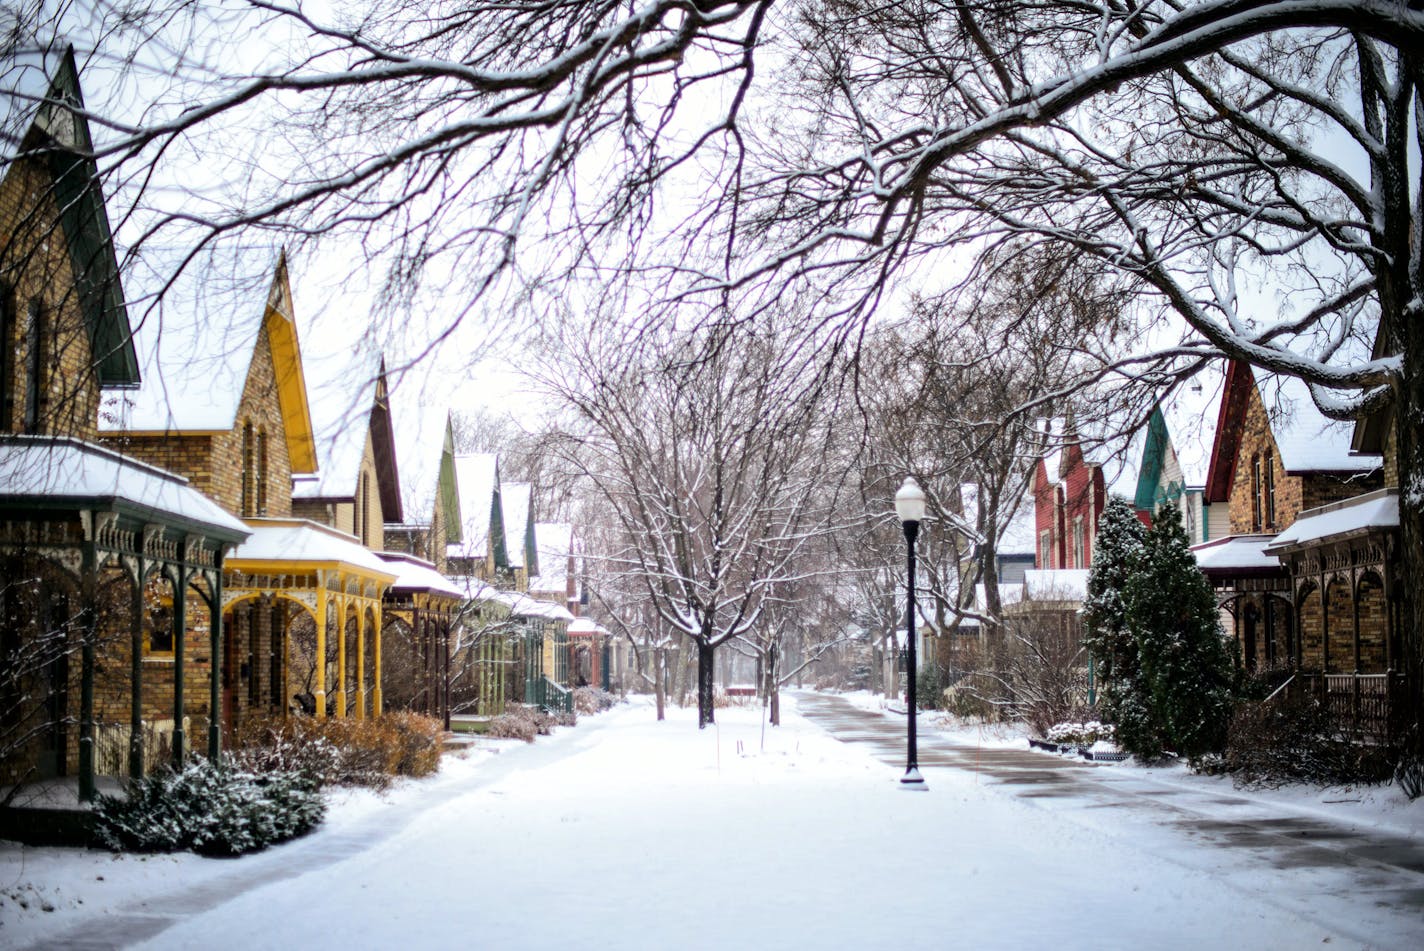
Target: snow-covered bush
521,721
1080,734
591,700
210,809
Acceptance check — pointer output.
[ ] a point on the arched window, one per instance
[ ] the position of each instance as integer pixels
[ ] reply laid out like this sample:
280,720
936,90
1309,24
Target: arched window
249,497
262,471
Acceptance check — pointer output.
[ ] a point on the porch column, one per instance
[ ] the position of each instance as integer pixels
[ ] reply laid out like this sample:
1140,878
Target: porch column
88,580
180,632
321,644
215,645
360,663
376,695
340,700
136,676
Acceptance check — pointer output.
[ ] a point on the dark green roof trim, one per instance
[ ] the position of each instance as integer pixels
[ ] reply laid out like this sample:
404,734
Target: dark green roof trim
86,229
1154,455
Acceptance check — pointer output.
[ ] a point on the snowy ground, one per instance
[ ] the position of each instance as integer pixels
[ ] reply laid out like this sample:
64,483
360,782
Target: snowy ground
628,833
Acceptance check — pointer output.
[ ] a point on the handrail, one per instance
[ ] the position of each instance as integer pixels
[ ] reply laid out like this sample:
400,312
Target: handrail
1283,686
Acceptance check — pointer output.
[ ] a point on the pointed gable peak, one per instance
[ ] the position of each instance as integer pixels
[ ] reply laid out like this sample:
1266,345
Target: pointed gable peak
281,330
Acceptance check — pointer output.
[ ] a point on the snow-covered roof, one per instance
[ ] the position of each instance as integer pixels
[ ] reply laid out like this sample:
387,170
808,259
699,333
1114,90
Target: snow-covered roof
57,469
1308,441
477,475
1008,594
417,574
1236,553
555,543
532,607
341,389
517,498
196,334
1019,536
299,540
1190,412
583,626
1055,584
420,442
1375,510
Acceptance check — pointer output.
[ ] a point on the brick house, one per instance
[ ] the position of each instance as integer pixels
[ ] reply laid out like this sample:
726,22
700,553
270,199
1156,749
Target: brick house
225,403
1070,490
99,553
1279,465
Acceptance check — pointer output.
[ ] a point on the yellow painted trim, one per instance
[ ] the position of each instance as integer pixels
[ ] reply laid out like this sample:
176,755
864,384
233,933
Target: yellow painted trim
281,331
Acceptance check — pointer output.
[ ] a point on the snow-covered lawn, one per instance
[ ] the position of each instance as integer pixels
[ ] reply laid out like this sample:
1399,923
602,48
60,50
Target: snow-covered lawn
629,833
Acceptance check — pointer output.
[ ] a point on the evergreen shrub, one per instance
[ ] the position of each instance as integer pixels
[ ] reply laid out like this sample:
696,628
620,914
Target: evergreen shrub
210,809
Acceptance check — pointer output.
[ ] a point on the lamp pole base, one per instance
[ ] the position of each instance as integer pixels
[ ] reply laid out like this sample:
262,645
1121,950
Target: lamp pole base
913,780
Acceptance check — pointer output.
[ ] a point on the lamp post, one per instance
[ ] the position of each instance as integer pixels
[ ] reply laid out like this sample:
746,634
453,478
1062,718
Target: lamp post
910,507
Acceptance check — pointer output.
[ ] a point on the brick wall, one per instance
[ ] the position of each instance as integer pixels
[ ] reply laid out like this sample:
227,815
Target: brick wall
35,266
1293,493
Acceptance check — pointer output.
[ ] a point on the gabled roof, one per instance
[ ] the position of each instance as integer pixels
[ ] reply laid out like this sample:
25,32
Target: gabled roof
351,404
196,339
42,117
425,446
554,542
519,526
1308,441
479,493
1181,423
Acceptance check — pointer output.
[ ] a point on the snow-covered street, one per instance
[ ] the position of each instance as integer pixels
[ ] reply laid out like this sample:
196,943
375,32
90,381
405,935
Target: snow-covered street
628,833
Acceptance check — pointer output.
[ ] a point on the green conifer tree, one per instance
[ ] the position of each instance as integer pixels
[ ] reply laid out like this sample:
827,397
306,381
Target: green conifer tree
1181,694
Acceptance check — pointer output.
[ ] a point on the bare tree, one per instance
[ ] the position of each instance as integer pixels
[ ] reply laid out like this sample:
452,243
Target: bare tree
706,447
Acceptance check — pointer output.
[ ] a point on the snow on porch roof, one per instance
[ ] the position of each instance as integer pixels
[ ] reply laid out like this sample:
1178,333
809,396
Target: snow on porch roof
1374,510
417,574
1236,553
1055,584
299,540
50,470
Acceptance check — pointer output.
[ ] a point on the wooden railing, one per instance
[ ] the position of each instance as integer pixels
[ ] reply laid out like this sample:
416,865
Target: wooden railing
1369,706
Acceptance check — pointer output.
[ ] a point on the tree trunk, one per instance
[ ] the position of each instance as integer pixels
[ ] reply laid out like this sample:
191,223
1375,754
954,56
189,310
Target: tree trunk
660,681
706,677
1409,432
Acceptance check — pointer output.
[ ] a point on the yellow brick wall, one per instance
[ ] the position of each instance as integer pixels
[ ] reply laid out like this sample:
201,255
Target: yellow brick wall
35,265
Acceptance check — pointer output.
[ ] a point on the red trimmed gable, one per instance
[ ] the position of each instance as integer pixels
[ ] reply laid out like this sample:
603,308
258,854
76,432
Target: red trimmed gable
1236,395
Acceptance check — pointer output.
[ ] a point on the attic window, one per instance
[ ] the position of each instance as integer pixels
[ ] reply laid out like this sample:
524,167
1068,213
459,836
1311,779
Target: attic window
34,367
1270,490
262,471
249,495
1256,493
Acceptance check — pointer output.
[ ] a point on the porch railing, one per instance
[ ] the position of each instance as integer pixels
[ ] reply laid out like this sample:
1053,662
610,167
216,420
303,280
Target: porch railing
1369,706
111,745
552,696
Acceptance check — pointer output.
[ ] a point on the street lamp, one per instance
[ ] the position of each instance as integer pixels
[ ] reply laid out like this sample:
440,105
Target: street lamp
910,506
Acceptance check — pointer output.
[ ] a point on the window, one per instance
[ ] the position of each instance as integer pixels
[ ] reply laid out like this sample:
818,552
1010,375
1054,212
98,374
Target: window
1045,549
262,471
34,367
249,497
363,508
160,631
1256,493
1270,491
1079,544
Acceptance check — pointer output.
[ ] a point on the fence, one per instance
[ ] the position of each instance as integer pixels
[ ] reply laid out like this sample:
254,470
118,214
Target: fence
1369,706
